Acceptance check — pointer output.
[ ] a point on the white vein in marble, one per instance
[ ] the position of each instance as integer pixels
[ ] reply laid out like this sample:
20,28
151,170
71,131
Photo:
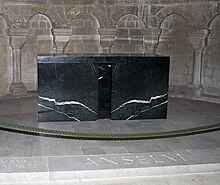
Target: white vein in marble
140,101
100,77
135,115
60,112
66,103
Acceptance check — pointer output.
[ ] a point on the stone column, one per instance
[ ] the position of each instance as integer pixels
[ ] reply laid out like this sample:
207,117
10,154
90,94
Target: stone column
151,39
198,42
61,37
18,39
107,38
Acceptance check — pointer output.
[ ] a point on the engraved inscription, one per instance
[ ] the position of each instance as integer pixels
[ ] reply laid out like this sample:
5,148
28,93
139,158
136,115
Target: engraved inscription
14,163
130,160
177,159
89,161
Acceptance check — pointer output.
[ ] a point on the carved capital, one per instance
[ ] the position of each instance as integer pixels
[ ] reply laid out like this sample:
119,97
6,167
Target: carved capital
198,38
18,38
61,37
107,38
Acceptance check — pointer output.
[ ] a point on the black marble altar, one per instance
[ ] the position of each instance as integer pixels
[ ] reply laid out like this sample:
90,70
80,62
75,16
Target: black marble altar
104,90
91,88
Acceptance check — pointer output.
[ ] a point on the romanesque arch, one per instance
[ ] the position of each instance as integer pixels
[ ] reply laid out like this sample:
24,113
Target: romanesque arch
88,21
172,20
174,42
39,21
129,38
85,36
39,41
130,21
165,13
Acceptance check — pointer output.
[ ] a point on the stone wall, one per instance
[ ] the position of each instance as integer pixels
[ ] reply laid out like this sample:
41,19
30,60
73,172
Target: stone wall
211,60
5,59
185,30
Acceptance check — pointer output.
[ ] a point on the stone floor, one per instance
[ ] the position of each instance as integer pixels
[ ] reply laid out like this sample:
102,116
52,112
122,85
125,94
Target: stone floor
182,113
19,152
189,179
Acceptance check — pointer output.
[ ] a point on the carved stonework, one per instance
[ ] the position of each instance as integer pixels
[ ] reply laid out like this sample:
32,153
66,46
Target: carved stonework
107,38
62,37
18,22
111,27
198,39
151,39
18,37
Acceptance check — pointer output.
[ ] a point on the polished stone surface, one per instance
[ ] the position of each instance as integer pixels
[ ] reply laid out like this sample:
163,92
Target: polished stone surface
140,88
88,88
67,91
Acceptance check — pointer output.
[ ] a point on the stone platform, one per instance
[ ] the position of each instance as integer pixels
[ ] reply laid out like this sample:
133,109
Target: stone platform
26,159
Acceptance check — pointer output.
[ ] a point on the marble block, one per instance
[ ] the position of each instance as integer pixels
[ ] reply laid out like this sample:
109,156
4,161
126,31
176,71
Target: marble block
91,88
140,88
67,91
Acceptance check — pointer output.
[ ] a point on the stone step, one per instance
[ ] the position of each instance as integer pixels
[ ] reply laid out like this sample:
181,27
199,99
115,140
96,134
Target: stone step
94,175
189,179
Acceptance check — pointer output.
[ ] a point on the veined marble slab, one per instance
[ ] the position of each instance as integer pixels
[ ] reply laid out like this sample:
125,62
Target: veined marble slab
88,88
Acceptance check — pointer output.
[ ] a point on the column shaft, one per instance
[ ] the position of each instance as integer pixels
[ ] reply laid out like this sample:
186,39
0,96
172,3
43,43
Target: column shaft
197,67
18,39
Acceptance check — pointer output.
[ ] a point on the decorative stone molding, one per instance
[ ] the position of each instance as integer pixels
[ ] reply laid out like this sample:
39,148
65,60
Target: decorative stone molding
107,38
198,40
18,39
151,39
116,27
61,39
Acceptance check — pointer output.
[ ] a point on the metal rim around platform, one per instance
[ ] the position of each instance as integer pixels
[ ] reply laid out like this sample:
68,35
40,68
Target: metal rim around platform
13,127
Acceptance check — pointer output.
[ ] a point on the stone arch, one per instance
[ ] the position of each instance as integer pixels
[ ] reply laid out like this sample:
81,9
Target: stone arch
39,41
85,35
80,10
129,38
7,22
211,63
172,18
213,21
40,16
130,21
39,21
174,42
73,13
166,12
85,24
5,59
